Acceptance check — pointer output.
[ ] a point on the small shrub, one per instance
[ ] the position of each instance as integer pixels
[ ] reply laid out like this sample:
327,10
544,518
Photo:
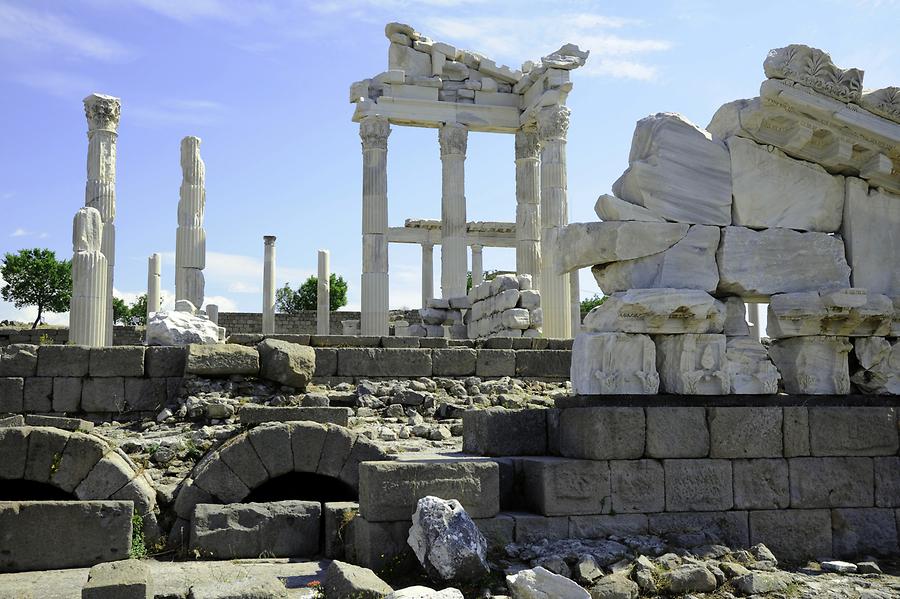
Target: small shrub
45,339
138,549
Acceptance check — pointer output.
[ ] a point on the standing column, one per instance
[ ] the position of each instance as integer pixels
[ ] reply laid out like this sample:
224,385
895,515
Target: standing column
87,308
477,265
528,205
453,138
374,132
102,114
154,268
753,314
268,311
190,240
212,313
323,295
575,297
427,273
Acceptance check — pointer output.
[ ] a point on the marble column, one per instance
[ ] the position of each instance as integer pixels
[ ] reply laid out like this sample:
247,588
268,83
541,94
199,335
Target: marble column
190,241
102,114
753,316
268,310
477,265
553,123
528,205
453,139
427,272
374,132
154,268
323,295
212,313
87,309
575,298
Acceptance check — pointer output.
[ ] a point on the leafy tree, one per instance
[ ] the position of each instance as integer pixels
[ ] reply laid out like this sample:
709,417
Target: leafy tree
133,315
121,312
290,301
36,278
592,302
139,310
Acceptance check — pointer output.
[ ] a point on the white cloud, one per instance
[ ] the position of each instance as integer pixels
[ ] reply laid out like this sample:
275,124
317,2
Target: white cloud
225,304
20,232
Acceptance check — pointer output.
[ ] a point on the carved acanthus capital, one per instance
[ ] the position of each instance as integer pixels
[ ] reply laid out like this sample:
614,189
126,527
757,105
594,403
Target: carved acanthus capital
553,122
453,138
102,112
528,144
814,68
374,131
883,102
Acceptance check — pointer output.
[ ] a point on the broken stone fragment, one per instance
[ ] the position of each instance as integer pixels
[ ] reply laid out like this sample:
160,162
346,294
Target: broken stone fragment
879,361
657,311
692,364
581,245
846,312
614,364
447,542
610,207
749,368
813,365
814,68
871,223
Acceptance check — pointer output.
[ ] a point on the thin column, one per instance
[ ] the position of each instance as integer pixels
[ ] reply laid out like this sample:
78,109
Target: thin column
323,295
87,308
753,315
575,297
212,313
453,139
374,132
528,205
427,273
268,311
190,240
553,123
477,265
102,114
154,268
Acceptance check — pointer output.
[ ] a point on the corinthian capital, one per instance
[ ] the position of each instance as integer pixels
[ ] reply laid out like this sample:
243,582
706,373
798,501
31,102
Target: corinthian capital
102,112
374,131
553,122
453,138
527,144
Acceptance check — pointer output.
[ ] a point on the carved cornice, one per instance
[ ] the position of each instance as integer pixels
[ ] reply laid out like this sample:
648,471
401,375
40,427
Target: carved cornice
528,144
883,102
453,138
814,68
102,112
374,131
553,123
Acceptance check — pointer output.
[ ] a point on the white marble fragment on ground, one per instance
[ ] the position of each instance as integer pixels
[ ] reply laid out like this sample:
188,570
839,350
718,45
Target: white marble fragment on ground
614,364
749,367
692,364
757,264
771,189
846,312
678,171
813,365
582,245
657,311
180,328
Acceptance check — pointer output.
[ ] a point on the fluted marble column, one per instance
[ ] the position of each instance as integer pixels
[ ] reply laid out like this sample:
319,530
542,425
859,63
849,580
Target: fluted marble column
453,139
102,113
374,132
154,269
87,310
553,123
323,295
190,242
477,265
427,273
528,205
268,310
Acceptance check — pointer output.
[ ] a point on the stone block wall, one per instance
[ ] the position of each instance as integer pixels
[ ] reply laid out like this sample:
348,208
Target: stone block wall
122,335
303,323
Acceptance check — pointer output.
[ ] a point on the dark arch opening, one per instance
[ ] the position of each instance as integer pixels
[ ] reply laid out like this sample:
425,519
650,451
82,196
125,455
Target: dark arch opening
306,486
29,490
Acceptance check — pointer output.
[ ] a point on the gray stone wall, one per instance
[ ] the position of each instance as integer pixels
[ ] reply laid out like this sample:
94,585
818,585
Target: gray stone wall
302,323
122,335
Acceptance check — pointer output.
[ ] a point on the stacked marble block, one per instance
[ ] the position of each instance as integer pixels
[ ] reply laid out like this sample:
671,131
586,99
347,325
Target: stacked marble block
705,220
505,306
441,318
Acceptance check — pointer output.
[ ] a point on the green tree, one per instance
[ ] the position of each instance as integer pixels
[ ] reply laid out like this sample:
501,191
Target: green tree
290,301
36,278
121,312
130,315
592,302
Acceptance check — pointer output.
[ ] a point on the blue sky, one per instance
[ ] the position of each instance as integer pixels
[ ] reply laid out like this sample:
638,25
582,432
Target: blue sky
265,85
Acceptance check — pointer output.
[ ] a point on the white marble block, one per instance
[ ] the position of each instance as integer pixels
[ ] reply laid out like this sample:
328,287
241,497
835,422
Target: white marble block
757,264
689,264
614,364
773,190
749,368
736,317
895,324
872,237
583,245
181,328
846,312
610,207
677,171
692,364
813,365
516,318
879,361
657,311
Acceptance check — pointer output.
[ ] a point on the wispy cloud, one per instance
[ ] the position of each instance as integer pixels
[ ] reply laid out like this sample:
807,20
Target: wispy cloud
181,10
182,112
45,32
20,232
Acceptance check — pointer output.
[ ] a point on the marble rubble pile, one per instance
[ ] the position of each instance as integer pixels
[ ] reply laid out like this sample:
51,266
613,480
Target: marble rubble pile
184,325
441,318
505,306
791,198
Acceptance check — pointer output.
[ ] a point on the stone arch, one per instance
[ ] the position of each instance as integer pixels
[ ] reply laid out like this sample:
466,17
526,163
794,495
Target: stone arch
249,459
82,464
